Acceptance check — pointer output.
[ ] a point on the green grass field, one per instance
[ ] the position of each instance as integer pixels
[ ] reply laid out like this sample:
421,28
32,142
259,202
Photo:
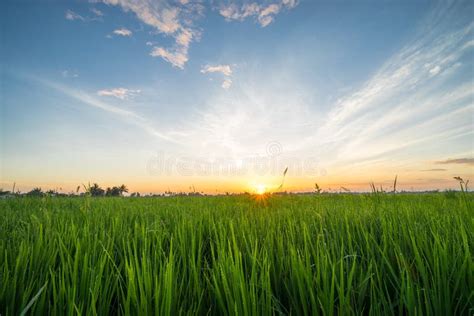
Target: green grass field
402,254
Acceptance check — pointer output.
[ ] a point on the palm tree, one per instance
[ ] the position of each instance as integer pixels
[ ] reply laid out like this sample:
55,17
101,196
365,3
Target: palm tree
114,191
95,190
123,189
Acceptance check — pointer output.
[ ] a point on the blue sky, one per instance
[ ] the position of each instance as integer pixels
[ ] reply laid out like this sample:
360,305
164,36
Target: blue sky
168,94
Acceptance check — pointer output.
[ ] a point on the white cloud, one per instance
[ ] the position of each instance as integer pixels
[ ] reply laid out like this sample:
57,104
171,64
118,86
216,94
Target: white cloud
265,113
225,70
231,12
250,9
184,38
71,15
154,13
123,32
177,57
170,19
435,70
128,115
226,83
97,12
119,93
399,110
176,19
290,3
69,74
406,103
264,14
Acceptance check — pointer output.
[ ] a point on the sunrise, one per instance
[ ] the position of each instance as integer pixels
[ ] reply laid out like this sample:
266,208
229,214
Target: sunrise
234,157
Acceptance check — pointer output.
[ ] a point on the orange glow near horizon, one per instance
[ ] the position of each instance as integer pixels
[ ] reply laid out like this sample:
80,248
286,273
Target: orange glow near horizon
353,179
260,189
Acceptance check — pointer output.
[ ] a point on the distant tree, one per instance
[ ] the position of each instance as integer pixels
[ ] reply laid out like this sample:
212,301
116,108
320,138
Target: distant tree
135,194
35,192
95,190
114,191
4,192
123,189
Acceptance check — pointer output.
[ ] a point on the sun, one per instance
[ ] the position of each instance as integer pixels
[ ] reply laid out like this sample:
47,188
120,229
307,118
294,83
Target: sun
260,189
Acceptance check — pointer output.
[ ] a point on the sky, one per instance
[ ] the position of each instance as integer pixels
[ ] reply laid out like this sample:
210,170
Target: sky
222,96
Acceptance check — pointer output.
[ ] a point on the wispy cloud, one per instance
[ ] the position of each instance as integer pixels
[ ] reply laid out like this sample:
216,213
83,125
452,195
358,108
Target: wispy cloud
123,32
71,16
90,100
226,83
407,96
170,19
462,161
177,19
403,107
225,70
254,106
69,74
264,14
435,70
178,56
97,12
119,93
434,170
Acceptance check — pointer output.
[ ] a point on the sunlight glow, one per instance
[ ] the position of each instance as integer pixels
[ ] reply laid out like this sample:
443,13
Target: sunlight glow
260,189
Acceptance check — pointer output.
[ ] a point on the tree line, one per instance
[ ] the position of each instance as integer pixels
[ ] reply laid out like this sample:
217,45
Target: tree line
91,190
96,190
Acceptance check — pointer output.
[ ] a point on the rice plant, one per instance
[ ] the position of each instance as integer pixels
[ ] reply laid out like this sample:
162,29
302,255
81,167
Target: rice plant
321,254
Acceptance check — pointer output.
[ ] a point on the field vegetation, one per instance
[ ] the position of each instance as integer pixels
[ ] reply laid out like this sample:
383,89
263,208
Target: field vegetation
322,254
